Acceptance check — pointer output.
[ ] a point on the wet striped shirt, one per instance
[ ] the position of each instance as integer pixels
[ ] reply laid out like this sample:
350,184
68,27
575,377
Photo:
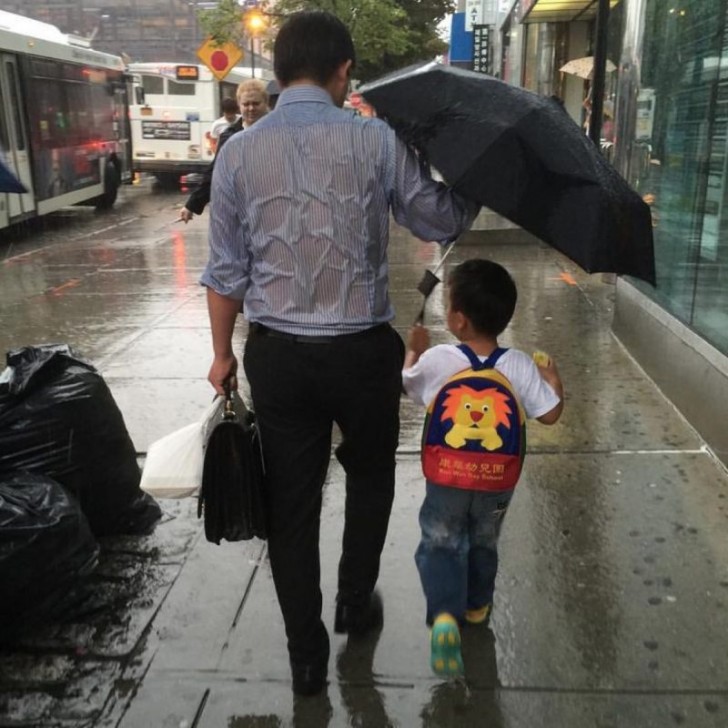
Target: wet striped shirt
299,220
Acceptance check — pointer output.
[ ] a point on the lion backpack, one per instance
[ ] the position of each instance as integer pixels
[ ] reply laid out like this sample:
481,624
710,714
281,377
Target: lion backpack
475,433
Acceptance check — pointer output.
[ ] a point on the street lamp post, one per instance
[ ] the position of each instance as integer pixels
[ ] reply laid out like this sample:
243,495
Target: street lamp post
255,23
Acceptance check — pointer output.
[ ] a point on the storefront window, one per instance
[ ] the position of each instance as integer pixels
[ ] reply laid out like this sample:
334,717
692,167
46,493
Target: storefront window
679,158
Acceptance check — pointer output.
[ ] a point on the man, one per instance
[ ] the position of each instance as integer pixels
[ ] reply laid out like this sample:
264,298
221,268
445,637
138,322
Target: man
229,116
299,230
252,100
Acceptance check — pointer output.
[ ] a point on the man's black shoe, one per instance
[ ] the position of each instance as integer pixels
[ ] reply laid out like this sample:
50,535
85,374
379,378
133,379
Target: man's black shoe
359,618
308,679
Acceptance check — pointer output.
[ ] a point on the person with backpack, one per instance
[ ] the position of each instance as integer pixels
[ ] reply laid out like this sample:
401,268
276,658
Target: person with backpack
478,396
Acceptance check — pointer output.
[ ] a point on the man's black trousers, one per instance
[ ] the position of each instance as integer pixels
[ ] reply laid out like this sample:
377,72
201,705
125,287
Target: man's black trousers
300,387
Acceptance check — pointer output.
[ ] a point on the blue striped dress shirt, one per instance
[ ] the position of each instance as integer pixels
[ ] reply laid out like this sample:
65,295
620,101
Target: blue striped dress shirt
299,218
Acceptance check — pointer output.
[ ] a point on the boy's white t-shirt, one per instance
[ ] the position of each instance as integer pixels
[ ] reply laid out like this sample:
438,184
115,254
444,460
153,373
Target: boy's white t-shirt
424,380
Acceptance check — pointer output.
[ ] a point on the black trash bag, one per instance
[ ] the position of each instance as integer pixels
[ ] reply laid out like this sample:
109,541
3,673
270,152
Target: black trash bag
232,491
58,418
46,547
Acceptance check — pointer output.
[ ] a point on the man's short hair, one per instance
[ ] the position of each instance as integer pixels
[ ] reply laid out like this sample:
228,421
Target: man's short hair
484,292
229,106
311,44
253,84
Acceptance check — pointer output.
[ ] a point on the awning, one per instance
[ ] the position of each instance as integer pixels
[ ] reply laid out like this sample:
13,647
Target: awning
561,11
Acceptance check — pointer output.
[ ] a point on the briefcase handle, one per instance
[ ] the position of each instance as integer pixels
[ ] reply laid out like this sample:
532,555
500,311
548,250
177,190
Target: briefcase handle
229,409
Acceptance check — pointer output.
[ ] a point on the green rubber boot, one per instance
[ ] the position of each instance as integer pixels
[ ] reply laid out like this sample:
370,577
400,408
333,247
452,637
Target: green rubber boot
446,658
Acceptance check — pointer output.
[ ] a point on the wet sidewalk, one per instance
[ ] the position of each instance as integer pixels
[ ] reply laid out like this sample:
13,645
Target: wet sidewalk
611,601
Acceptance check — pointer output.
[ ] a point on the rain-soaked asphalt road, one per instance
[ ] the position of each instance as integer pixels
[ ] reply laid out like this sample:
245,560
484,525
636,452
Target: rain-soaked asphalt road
611,600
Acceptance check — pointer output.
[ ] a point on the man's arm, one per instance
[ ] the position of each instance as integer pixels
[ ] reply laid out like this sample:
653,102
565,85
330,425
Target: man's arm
429,209
227,271
200,196
223,312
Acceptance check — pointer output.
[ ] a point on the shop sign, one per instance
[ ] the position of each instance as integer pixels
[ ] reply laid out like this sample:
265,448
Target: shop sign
481,48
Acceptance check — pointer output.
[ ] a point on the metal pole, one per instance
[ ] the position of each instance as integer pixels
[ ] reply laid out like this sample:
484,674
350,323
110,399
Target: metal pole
599,73
252,57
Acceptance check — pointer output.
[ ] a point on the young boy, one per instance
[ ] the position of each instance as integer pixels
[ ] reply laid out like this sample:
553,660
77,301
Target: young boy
457,557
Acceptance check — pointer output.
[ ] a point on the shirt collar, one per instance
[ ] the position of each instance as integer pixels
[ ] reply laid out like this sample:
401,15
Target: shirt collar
295,94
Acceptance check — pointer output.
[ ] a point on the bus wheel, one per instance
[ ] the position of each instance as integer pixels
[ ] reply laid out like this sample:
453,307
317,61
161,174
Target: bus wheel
112,180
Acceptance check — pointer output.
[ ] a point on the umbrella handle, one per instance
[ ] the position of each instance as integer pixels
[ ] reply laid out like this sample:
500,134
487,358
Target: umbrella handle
420,318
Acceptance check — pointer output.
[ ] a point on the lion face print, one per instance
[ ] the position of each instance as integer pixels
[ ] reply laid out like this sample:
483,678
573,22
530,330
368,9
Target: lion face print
475,416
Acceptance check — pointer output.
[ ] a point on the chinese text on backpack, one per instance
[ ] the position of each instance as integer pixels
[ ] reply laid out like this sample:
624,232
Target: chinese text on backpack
475,434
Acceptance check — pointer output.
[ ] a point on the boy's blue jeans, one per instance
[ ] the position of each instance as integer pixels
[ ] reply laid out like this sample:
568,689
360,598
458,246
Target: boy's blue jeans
458,553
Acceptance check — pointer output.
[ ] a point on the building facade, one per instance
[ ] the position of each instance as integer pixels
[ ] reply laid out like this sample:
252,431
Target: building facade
138,30
672,145
143,30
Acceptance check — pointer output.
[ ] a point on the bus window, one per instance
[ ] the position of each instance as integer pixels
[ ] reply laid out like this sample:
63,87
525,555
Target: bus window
78,114
139,95
227,90
47,95
103,117
15,106
180,89
153,85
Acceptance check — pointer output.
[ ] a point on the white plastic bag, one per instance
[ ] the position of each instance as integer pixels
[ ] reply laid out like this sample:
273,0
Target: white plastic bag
173,468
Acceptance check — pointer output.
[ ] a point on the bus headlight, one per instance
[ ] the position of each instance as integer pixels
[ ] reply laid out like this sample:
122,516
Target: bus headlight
193,151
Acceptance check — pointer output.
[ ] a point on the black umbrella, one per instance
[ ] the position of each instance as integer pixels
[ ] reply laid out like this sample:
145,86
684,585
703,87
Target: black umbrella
9,182
521,155
231,494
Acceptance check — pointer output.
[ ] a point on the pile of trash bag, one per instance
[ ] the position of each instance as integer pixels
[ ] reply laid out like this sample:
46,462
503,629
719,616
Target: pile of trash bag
68,474
58,418
46,547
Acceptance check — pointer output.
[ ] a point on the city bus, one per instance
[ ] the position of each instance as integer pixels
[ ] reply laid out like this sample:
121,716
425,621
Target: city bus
64,128
172,109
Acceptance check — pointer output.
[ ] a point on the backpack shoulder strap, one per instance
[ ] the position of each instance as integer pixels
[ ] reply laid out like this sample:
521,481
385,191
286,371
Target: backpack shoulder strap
475,362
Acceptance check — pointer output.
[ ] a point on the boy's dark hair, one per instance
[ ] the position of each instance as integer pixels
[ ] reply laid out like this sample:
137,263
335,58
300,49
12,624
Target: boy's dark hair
311,44
229,106
485,293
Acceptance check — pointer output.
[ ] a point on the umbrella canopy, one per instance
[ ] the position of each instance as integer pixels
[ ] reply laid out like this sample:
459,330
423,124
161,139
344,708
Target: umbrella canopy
9,182
584,67
521,155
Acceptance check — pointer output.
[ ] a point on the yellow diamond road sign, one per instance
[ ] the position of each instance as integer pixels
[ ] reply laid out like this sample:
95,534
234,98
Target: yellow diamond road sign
219,59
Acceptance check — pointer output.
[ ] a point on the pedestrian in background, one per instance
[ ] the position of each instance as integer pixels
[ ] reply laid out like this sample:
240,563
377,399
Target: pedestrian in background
252,100
457,557
299,230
